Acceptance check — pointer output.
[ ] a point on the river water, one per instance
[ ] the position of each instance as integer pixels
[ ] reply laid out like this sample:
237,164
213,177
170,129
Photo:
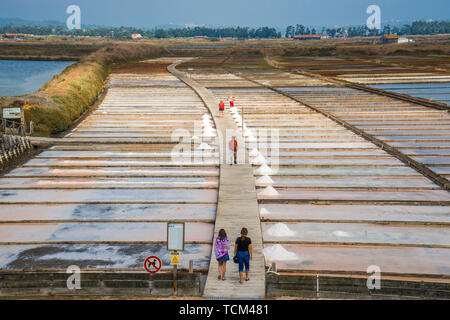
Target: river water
19,77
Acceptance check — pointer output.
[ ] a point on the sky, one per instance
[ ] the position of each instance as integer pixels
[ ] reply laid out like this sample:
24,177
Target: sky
251,13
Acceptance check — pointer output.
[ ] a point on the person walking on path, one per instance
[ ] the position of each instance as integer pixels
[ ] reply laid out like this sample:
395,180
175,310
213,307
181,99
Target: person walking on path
221,108
233,146
231,99
221,247
244,251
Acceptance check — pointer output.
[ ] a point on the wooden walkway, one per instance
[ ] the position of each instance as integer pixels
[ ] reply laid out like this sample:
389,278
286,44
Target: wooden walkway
237,208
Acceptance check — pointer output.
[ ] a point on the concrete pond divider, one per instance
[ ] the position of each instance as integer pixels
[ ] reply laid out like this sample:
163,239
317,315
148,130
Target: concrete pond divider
237,207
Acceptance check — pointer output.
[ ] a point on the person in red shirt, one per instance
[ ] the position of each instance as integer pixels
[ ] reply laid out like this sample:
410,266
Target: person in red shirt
221,108
231,102
233,145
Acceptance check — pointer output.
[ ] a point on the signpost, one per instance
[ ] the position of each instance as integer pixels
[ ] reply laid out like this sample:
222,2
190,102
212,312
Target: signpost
10,115
175,236
152,264
175,243
175,258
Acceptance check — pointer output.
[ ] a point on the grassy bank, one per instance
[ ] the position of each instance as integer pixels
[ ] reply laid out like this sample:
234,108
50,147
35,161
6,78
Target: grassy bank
57,104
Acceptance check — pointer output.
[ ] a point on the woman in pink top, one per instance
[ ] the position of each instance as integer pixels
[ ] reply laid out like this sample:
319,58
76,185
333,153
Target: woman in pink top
221,247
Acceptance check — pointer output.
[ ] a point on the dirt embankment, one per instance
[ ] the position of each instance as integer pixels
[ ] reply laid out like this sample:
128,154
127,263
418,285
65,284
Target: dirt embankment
69,94
48,50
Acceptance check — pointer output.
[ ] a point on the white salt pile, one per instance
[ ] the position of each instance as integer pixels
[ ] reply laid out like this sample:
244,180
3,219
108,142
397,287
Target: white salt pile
209,135
264,180
263,170
204,146
280,230
253,153
339,233
263,211
278,253
209,132
259,160
194,138
269,191
252,139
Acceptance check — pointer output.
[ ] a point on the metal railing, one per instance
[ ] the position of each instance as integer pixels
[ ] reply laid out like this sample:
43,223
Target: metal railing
12,147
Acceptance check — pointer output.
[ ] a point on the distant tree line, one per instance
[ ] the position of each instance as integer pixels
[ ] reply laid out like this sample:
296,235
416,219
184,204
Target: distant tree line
125,32
416,28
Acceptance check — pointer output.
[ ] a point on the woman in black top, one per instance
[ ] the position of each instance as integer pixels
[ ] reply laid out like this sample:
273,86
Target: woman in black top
244,250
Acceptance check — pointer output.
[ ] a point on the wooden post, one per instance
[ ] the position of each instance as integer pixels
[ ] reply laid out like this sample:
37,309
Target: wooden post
274,267
317,286
242,124
175,287
191,266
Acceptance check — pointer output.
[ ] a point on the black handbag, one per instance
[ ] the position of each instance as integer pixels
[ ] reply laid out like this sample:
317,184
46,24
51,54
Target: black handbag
236,259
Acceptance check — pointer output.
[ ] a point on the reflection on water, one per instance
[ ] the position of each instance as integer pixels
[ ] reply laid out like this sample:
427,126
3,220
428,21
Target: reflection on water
18,77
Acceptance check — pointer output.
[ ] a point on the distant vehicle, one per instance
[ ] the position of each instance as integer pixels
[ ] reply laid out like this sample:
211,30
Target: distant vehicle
14,36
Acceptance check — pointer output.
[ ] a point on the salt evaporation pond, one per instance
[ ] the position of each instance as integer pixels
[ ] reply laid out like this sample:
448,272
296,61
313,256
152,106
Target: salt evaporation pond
437,91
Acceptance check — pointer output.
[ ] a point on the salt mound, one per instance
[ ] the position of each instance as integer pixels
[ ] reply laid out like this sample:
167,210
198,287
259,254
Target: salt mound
265,180
204,146
269,191
253,153
209,132
263,170
339,233
263,211
247,133
259,160
278,253
280,230
209,135
252,139
194,138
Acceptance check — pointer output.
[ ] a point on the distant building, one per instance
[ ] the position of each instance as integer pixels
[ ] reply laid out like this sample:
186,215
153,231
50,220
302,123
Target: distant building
392,38
15,36
310,37
136,36
389,38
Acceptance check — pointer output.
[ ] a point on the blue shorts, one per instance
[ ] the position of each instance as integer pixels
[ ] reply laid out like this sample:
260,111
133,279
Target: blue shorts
224,258
244,259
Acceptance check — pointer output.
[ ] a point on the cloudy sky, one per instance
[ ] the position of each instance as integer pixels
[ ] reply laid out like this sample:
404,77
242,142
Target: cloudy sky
149,13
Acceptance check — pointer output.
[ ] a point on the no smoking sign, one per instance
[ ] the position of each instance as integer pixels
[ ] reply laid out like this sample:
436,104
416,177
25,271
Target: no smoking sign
152,264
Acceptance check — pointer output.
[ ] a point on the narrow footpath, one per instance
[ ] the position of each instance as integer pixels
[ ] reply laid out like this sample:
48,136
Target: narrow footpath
237,208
